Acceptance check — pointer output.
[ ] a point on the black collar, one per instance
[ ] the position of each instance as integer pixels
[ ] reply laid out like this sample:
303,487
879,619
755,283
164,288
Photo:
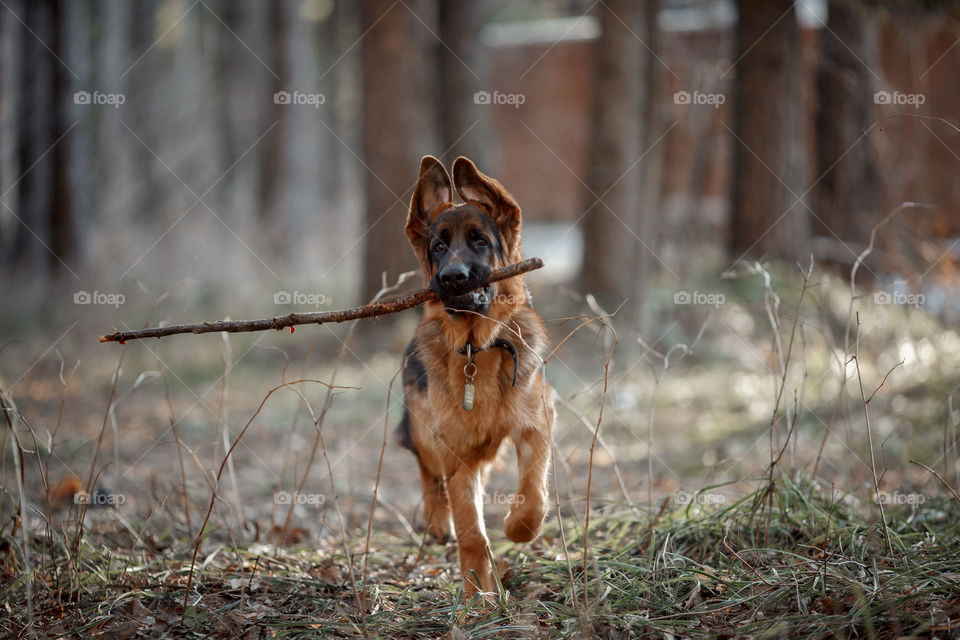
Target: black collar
503,344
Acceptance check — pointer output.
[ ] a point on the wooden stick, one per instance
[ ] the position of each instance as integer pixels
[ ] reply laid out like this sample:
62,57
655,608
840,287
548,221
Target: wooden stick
293,319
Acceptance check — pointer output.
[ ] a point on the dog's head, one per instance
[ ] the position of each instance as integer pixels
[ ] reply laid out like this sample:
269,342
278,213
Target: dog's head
458,245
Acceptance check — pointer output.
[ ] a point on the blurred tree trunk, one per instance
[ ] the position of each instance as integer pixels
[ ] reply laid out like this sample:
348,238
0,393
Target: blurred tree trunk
7,128
328,50
396,108
150,196
652,129
611,224
30,126
228,78
46,233
769,154
849,197
119,183
464,124
274,153
62,221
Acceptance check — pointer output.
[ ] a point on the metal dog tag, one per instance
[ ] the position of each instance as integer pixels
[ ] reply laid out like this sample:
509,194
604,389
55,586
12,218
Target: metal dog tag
469,372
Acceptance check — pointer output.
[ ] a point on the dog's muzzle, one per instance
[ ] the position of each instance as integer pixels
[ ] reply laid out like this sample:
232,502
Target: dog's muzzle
461,288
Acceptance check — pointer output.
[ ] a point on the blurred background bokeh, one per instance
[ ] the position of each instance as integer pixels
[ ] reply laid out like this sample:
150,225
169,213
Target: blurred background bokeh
167,161
253,145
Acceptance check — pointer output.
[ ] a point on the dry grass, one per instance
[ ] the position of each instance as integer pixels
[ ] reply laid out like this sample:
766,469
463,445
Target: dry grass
783,413
808,566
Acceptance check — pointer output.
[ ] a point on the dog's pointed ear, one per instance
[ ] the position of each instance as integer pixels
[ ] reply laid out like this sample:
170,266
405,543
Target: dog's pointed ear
478,189
433,189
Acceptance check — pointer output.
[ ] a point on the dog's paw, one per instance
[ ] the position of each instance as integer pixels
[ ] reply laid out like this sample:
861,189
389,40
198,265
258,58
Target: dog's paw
523,526
439,533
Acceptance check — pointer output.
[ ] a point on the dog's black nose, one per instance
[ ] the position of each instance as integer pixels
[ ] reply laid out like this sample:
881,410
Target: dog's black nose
454,276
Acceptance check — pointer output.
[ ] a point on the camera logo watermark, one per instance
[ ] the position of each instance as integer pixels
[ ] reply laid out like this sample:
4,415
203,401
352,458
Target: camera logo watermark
682,499
99,499
485,97
699,298
111,99
713,99
897,498
298,97
286,498
914,300
899,98
316,300
112,299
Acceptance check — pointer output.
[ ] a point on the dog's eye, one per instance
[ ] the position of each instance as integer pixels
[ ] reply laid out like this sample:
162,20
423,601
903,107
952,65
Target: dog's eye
480,241
439,248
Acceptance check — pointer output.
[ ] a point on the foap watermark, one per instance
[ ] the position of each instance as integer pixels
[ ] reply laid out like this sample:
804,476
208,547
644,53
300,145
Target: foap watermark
897,498
286,498
900,298
99,499
697,97
99,297
682,498
699,297
485,97
110,99
498,497
298,97
316,300
511,299
898,98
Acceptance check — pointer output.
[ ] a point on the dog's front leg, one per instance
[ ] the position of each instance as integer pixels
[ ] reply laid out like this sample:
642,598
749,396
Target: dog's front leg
465,491
529,507
435,504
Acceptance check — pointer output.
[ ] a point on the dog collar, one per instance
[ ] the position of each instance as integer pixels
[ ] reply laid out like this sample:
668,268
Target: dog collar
468,349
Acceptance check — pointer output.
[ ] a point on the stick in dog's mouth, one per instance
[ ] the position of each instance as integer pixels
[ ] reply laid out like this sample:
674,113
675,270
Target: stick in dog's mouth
295,319
478,299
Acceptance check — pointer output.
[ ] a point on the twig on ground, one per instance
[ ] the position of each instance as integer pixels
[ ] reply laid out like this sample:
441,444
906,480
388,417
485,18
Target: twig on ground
223,417
866,417
784,359
657,377
327,402
842,364
9,412
566,404
376,491
593,445
939,477
213,496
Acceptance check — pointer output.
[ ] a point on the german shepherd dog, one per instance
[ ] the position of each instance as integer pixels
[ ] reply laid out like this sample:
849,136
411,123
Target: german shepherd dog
473,372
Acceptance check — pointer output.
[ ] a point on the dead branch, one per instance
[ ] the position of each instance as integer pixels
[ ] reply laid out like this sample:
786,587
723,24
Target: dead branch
939,477
293,319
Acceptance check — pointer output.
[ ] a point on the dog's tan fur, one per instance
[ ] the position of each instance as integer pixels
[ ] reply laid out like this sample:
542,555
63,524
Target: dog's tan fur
454,446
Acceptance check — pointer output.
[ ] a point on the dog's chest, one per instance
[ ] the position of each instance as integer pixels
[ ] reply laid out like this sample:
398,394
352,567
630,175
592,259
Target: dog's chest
492,399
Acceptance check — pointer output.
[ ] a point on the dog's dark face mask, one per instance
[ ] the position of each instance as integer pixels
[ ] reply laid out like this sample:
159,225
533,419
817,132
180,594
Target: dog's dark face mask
464,247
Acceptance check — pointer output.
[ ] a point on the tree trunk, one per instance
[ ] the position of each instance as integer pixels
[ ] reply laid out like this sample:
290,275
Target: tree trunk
332,155
274,154
46,233
611,224
396,104
8,127
63,230
464,124
769,159
849,196
654,146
